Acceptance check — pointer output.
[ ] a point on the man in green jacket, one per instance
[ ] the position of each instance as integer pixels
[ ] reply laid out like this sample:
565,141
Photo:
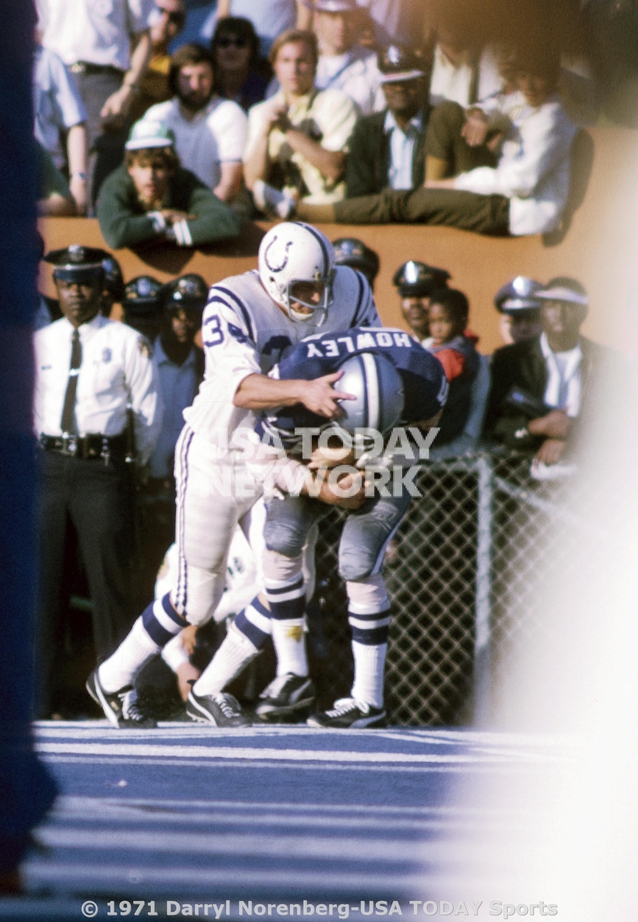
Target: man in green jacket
151,198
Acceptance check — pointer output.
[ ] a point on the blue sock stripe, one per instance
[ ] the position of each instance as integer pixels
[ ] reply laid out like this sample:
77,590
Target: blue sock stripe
250,630
154,629
260,607
291,608
170,611
370,638
376,616
290,587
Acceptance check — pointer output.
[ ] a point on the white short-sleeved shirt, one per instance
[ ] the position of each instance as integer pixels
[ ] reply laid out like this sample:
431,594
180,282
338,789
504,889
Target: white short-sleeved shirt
57,102
533,170
327,116
117,368
215,135
397,20
244,333
473,79
356,74
95,31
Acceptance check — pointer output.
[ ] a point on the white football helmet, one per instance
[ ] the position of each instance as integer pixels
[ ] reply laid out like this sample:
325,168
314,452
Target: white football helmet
290,253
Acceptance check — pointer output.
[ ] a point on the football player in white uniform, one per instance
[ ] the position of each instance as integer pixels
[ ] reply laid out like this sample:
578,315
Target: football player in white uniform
296,290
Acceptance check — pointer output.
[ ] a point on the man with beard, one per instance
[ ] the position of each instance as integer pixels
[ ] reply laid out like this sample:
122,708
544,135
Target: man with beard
151,198
210,132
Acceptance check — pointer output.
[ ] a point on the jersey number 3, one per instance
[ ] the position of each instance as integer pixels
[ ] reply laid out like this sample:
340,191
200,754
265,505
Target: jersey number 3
214,332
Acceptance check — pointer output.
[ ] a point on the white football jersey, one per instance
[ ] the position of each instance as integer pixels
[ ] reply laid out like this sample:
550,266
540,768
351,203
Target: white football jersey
244,332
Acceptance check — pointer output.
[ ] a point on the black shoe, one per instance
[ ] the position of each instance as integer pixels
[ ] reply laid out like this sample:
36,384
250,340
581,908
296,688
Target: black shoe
120,707
221,710
348,713
285,698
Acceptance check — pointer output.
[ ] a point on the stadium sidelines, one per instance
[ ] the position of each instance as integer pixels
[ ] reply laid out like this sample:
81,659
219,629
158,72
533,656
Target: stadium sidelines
187,815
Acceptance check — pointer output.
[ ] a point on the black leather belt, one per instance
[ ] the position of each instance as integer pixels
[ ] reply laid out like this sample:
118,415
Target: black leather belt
87,447
85,67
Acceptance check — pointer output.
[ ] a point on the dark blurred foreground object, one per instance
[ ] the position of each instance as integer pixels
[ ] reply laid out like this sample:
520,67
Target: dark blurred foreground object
27,788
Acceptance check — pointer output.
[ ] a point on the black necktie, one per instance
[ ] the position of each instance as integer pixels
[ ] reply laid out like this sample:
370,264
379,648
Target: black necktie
68,411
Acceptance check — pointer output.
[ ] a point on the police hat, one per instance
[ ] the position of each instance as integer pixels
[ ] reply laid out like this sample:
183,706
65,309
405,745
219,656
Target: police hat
349,251
564,289
335,6
113,278
142,295
77,263
518,295
415,279
188,290
399,63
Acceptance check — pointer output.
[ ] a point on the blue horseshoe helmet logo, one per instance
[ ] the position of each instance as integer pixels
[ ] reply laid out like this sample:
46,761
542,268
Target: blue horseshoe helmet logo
284,263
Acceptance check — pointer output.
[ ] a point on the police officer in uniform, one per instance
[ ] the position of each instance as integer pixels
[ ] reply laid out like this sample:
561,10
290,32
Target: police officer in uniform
88,371
350,251
415,282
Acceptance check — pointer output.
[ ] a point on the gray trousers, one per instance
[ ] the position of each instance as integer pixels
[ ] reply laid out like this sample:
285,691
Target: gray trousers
364,538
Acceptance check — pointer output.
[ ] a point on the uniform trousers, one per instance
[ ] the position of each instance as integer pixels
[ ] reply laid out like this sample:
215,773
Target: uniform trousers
215,493
365,535
96,500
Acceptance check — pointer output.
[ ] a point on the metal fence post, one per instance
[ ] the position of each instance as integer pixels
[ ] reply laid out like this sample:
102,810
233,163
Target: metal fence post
483,624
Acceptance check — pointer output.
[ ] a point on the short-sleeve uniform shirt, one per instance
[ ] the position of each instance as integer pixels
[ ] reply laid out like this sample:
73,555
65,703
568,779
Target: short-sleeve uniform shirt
57,102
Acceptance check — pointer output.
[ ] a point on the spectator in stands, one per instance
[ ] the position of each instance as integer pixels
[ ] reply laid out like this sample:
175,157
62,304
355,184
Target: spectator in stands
519,309
167,21
415,283
402,21
235,50
269,19
210,132
60,120
151,198
541,386
525,193
447,319
53,193
387,149
462,71
354,253
142,307
458,139
298,140
94,40
343,63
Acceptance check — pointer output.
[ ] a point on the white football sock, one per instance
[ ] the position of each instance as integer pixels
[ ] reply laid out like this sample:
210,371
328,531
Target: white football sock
289,639
123,666
369,664
235,652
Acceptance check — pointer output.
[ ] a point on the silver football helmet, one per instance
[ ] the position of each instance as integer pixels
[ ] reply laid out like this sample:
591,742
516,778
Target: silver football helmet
378,388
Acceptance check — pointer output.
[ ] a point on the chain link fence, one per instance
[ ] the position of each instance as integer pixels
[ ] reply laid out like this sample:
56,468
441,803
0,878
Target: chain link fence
464,574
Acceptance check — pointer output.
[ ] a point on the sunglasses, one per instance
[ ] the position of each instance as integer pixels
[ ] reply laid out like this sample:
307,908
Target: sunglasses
226,41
